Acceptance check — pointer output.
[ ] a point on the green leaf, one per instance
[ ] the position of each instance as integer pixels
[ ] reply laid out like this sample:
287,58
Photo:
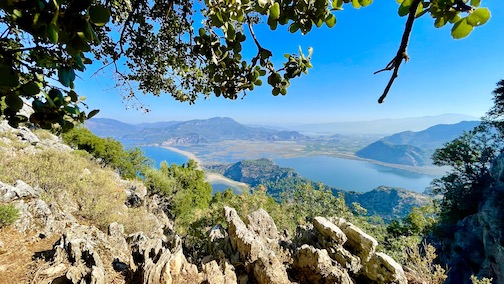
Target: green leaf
478,17
365,3
14,102
275,11
294,27
31,89
440,22
73,96
8,78
93,113
52,32
356,4
475,3
99,15
337,4
66,75
404,8
461,29
330,21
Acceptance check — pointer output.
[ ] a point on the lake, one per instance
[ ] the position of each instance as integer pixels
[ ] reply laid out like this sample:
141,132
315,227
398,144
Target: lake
354,175
159,154
341,173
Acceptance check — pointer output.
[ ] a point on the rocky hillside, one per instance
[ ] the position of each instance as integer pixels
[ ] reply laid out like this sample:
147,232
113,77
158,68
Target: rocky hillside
395,154
475,245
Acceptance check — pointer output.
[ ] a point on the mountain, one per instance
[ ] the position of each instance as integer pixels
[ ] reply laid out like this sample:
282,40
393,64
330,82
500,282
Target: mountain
388,202
414,148
395,154
187,132
381,126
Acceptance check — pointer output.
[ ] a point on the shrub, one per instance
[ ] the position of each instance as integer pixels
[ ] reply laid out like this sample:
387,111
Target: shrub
8,215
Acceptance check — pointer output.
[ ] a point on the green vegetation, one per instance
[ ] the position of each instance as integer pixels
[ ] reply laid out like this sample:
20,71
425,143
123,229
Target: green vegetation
109,152
184,188
8,215
161,52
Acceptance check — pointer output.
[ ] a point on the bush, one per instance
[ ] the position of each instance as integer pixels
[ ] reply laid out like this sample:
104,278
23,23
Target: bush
8,215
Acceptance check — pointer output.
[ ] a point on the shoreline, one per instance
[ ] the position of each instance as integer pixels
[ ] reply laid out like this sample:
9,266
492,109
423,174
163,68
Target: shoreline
209,177
188,154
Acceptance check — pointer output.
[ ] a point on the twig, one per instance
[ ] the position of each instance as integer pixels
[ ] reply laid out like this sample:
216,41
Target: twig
395,63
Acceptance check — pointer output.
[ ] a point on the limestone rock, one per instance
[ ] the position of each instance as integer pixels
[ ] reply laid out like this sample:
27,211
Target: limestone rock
213,273
329,230
315,266
358,243
259,258
19,190
262,224
382,269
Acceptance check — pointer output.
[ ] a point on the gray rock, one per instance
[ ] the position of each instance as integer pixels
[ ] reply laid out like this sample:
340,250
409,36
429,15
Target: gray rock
26,135
315,266
262,224
257,255
358,243
20,190
329,230
382,269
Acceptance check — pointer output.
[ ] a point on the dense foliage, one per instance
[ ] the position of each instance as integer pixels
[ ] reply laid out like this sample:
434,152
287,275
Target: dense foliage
156,47
8,215
110,152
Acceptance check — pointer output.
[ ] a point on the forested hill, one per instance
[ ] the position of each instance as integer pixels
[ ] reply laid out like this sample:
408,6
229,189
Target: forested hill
414,148
188,132
387,202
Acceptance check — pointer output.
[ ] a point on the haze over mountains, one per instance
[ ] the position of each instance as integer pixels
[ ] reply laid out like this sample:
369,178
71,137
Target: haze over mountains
188,132
381,126
414,148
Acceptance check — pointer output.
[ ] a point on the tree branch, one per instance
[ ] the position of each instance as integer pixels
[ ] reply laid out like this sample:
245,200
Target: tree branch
395,63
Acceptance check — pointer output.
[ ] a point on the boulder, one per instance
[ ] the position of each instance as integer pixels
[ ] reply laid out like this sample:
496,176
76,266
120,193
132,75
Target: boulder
382,269
313,265
358,243
329,230
263,225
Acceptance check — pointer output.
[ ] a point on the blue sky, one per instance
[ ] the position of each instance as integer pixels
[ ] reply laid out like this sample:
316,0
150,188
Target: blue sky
442,76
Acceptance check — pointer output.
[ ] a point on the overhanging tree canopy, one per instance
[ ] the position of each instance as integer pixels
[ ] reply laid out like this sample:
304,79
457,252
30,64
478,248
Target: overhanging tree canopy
44,43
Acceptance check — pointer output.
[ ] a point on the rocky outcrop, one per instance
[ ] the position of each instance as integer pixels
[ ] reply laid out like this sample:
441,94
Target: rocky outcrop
477,244
327,252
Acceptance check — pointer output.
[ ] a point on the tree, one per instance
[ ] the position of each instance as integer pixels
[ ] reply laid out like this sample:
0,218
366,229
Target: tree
44,43
470,157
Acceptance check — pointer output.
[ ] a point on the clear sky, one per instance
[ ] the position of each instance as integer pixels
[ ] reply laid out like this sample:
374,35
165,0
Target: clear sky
442,76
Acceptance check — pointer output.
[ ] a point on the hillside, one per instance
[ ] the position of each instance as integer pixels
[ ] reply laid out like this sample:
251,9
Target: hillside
387,202
188,132
395,154
414,148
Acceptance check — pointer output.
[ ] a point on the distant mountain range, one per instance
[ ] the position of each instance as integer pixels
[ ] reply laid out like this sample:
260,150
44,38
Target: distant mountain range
414,148
381,126
187,132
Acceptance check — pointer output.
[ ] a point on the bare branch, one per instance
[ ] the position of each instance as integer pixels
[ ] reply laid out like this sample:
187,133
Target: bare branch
402,54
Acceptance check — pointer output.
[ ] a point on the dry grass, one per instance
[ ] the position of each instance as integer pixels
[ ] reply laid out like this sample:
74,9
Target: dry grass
16,263
78,184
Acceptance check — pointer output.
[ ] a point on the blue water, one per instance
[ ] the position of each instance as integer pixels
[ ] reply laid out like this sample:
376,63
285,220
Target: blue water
353,174
158,155
336,172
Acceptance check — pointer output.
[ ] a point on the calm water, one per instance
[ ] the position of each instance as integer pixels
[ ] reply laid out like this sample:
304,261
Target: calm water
336,172
353,174
159,154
